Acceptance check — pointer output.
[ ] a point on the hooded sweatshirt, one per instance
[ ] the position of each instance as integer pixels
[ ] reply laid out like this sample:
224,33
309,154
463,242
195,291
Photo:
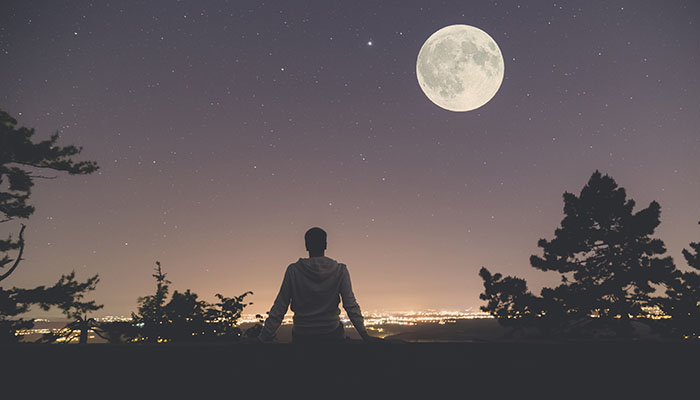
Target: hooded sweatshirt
313,286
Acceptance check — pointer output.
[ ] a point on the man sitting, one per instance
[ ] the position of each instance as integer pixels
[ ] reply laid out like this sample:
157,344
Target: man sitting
314,286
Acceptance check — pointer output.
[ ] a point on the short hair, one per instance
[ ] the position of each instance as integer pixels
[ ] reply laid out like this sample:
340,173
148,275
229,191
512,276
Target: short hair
315,239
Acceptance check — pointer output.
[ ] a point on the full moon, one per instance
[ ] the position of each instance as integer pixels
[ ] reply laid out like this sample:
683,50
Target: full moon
460,68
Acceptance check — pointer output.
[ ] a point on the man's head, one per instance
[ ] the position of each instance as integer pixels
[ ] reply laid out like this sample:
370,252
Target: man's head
315,239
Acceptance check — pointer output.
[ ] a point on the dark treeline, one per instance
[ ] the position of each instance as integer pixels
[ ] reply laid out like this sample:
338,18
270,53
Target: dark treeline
183,318
613,274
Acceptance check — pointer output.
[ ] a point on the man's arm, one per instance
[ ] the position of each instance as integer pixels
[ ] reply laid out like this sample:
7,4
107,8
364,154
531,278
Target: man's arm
350,305
279,308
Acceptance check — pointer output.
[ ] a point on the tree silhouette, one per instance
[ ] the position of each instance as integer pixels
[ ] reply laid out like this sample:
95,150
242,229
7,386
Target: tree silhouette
509,300
683,298
64,293
226,313
608,264
151,318
184,317
74,308
22,161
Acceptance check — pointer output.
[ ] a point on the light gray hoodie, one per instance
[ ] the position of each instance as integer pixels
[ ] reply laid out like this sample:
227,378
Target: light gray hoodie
313,286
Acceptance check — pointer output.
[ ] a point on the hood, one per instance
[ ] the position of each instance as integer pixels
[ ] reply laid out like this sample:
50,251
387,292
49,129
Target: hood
318,268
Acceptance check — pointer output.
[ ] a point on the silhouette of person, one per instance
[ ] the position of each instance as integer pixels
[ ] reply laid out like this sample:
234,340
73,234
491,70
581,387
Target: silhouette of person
313,286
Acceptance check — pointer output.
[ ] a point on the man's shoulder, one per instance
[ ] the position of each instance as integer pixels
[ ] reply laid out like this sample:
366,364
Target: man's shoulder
340,264
293,265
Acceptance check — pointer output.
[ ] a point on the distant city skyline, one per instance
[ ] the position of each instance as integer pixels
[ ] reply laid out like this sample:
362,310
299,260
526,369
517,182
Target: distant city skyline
224,130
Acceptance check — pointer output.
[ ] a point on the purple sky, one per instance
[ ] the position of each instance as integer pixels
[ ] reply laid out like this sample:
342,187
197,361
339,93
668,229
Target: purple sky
224,130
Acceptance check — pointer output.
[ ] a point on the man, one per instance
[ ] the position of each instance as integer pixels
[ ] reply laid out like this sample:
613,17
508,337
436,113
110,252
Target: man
312,286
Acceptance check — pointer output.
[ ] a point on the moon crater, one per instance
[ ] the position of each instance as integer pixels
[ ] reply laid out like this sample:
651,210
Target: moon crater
460,68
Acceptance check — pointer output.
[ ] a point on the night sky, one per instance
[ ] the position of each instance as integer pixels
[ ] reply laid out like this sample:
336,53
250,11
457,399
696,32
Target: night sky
224,130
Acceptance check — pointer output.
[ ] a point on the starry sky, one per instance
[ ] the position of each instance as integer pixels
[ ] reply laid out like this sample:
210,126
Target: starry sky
225,129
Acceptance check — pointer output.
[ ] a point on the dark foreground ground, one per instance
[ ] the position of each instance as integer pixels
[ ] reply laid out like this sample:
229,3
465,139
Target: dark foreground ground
354,369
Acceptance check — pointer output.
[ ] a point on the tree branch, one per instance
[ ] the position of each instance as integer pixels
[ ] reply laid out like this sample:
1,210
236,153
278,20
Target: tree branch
97,332
31,165
19,255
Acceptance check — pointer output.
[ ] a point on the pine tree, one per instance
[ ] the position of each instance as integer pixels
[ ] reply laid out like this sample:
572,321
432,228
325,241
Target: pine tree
508,299
20,159
151,318
21,162
75,308
226,313
683,298
608,263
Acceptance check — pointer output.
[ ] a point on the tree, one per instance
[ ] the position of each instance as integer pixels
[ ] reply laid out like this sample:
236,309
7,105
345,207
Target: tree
151,318
607,260
683,298
185,317
226,313
74,308
509,300
63,294
20,159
